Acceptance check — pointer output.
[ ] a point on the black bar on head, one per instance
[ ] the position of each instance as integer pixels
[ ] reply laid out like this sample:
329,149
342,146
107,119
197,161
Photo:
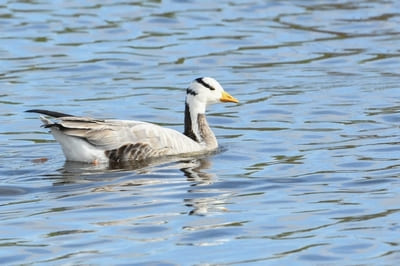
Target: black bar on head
205,84
190,91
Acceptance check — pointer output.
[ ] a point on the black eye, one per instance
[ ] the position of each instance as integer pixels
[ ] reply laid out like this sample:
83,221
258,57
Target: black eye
205,84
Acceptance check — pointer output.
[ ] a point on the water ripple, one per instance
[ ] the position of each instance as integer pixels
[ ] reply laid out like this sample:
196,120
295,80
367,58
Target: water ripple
308,165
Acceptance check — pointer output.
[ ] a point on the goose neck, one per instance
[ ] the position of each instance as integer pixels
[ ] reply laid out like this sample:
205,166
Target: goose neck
197,128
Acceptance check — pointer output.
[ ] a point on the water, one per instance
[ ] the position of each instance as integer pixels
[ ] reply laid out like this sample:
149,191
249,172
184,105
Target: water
309,167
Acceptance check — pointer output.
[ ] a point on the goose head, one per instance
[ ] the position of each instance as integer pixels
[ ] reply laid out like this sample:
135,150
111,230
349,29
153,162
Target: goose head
201,93
205,91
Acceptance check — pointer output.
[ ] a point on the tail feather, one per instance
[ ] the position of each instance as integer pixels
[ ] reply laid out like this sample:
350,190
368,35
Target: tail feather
49,113
46,122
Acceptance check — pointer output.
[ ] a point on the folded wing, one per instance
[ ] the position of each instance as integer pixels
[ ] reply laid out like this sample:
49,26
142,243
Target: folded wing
123,139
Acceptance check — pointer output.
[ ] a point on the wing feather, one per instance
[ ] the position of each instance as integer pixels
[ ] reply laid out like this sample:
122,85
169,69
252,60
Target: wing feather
113,134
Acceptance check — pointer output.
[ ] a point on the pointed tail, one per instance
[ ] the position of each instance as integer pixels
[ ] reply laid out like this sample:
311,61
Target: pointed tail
49,113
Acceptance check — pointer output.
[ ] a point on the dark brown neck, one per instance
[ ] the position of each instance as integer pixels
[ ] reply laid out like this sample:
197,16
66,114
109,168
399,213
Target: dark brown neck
188,125
199,130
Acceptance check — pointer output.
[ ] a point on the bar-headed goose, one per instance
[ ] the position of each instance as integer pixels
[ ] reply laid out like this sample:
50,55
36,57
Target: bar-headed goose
86,139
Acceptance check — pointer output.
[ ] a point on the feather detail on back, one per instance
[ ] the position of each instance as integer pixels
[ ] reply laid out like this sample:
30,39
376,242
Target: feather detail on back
135,152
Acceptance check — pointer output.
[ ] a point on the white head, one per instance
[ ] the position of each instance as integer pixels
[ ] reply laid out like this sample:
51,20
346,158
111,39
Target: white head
205,91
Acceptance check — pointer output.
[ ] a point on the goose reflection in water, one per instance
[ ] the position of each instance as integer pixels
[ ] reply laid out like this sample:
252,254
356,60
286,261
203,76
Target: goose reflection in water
201,196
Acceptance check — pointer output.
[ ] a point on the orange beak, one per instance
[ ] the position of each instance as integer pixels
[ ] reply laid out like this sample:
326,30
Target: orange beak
226,97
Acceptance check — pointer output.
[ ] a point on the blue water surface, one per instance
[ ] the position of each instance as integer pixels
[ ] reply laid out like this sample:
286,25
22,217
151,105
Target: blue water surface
308,169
